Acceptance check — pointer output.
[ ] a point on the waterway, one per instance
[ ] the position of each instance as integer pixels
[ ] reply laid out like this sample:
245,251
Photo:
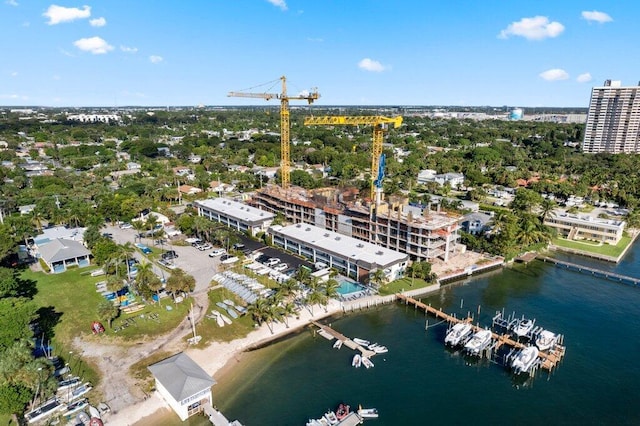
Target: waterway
420,382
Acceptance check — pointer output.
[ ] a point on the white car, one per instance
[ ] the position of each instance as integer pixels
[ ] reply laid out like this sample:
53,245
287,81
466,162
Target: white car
228,260
217,252
281,267
272,262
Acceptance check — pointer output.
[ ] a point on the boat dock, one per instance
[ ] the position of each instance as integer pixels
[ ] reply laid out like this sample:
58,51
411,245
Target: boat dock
330,334
593,271
548,360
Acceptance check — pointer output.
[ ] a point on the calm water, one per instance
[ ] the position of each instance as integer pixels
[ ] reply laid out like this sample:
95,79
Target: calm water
419,381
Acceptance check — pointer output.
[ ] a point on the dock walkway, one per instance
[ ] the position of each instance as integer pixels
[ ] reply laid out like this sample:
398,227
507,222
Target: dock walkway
548,360
594,271
326,330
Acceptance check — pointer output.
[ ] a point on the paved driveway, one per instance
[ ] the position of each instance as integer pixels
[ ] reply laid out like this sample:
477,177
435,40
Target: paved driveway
191,260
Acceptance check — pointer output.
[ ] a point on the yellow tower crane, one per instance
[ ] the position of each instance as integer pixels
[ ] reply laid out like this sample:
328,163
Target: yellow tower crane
379,123
285,162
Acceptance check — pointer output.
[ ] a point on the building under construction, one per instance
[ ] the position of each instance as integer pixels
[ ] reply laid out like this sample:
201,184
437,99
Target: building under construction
421,232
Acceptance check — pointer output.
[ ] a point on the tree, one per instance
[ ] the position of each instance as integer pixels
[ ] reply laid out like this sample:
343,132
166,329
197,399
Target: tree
9,283
546,206
330,290
16,313
14,397
179,281
107,311
378,278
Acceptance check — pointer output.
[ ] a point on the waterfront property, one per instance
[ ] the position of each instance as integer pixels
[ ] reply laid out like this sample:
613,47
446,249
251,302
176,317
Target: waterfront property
585,227
61,253
351,257
235,215
183,384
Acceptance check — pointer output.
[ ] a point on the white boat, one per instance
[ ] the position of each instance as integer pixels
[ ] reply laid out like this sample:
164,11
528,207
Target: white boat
65,384
525,359
331,417
218,318
94,413
83,418
458,333
357,361
80,390
232,313
337,344
361,342
380,349
76,406
225,318
47,409
367,413
367,362
523,327
546,339
478,342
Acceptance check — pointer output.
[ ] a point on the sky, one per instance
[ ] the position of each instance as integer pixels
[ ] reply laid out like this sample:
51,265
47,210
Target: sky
526,53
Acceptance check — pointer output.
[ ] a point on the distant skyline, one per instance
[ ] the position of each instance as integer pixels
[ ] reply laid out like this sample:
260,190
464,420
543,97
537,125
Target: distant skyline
356,52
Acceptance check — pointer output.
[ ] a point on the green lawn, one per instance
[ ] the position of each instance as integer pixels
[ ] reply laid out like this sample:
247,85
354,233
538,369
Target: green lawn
403,284
210,331
592,247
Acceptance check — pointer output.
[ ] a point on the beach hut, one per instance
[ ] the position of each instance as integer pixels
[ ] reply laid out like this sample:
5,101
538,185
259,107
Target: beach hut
183,384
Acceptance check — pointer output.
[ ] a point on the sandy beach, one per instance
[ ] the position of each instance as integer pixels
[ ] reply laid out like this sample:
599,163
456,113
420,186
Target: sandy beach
220,357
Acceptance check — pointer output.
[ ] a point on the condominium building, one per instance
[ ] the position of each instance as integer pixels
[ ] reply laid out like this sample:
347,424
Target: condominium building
585,227
235,215
613,121
419,231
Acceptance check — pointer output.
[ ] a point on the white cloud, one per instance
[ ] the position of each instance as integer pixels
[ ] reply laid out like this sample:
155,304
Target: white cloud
371,65
156,59
584,78
11,2
594,15
536,28
55,77
14,74
128,49
98,22
554,74
315,39
95,45
58,14
14,96
279,3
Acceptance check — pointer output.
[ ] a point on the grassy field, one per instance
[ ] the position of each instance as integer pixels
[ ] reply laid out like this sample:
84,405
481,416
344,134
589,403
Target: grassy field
403,284
593,247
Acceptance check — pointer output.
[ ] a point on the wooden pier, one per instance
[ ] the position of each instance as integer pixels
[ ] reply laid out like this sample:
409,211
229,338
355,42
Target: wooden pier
325,331
593,271
547,360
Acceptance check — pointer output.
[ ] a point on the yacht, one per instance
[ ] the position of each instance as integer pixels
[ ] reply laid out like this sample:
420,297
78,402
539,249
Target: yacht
478,342
523,327
546,339
524,360
457,333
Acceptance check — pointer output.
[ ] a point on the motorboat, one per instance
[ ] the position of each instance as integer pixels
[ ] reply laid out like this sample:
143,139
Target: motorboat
94,413
523,327
76,406
331,417
478,342
380,349
367,413
337,344
367,362
64,384
357,361
342,411
546,339
525,359
362,342
458,333
318,422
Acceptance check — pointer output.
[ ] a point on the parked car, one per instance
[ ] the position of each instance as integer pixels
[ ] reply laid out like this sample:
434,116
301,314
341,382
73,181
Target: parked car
238,246
281,267
273,261
205,246
171,254
217,252
126,225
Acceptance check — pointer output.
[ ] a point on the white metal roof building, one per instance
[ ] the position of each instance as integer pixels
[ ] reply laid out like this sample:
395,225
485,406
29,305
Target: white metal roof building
234,214
183,384
60,253
352,257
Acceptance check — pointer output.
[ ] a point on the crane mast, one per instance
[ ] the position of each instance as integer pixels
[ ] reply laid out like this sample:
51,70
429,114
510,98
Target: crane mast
380,125
285,145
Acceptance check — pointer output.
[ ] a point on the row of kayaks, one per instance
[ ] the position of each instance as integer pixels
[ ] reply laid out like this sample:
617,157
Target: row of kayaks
230,309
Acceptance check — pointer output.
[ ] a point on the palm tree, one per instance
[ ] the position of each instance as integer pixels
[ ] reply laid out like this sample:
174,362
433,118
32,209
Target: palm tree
139,226
147,278
330,290
287,310
258,310
179,281
150,224
107,311
378,278
546,206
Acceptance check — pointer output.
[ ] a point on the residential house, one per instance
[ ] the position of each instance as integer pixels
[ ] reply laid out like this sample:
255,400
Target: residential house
189,190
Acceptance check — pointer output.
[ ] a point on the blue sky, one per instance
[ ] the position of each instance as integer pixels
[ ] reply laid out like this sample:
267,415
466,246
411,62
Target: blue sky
356,52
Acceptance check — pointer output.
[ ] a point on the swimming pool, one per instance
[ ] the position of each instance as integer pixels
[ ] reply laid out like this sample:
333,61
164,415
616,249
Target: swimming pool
348,287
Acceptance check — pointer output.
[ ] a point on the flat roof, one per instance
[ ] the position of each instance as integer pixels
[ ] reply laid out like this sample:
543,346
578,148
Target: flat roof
587,220
236,210
341,245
